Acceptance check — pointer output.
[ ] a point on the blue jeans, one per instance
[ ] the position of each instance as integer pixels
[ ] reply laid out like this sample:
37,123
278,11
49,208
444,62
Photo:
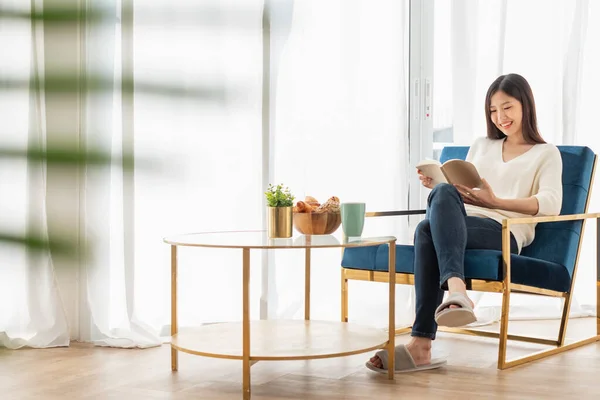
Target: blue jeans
440,243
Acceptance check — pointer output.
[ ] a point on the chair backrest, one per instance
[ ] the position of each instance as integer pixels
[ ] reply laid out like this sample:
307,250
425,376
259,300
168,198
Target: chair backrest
557,242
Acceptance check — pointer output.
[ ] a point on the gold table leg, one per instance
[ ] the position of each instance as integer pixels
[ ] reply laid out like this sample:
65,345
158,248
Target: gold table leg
307,284
392,309
174,353
597,276
246,324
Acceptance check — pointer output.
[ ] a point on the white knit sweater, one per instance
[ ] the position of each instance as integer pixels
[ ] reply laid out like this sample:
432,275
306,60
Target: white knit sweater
538,172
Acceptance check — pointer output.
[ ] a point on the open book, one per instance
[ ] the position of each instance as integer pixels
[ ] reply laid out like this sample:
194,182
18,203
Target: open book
452,171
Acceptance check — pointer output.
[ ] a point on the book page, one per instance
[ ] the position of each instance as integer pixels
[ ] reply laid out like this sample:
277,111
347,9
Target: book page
431,169
462,172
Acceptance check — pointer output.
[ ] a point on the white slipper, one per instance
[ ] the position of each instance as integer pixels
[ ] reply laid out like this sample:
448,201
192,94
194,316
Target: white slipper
455,317
403,362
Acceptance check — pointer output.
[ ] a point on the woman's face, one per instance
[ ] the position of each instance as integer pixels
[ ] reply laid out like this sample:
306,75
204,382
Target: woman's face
506,113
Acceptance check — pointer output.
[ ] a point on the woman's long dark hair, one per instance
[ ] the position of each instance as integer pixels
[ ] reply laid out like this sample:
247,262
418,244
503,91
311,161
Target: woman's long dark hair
515,86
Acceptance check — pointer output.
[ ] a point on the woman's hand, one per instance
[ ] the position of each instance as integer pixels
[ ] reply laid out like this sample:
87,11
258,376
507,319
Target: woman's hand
481,197
425,181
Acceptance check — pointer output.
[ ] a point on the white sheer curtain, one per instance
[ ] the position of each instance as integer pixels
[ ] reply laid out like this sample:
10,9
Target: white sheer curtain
208,141
340,107
555,49
198,71
108,272
31,310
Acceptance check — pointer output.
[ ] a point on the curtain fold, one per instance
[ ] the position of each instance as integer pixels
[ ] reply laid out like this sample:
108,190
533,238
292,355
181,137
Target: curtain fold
108,282
31,309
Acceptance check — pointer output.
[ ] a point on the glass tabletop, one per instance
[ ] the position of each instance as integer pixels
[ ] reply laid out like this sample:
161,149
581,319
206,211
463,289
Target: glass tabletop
260,240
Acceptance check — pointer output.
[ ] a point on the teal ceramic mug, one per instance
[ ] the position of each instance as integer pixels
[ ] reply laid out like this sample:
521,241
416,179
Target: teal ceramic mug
353,218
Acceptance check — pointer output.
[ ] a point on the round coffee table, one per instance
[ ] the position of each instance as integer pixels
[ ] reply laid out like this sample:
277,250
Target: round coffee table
277,339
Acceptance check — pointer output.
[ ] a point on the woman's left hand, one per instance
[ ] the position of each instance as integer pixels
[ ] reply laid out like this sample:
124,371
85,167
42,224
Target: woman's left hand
481,197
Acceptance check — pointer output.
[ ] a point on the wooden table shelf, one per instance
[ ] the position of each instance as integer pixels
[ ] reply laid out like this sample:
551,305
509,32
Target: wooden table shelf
281,340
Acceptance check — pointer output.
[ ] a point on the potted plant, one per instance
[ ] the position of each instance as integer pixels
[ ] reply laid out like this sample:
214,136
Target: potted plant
280,202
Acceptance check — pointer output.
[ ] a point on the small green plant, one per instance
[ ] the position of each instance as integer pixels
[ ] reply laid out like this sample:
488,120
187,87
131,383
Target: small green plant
278,196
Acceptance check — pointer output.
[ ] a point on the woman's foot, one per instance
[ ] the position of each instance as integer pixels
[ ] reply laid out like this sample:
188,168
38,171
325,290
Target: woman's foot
419,349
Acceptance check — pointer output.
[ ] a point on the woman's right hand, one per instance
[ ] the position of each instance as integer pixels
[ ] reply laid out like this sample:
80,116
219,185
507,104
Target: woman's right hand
425,181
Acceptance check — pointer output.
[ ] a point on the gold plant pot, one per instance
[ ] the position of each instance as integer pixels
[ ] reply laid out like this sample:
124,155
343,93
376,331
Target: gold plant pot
279,222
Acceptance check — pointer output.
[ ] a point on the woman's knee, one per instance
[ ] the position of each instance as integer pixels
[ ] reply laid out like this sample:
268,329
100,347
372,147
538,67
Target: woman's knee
443,191
423,228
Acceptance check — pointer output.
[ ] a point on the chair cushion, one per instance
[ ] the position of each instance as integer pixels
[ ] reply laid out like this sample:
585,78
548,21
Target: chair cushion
479,264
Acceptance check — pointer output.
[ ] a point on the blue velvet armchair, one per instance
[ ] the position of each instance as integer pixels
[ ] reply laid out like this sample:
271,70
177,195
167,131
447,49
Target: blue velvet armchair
547,267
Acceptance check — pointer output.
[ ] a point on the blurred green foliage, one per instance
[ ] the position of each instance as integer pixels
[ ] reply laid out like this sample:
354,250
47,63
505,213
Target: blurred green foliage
67,155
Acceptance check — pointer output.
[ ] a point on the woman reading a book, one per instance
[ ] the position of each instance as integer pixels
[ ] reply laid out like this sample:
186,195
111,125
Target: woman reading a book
521,176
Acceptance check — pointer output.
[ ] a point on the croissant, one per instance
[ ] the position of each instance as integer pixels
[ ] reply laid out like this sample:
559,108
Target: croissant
312,201
303,207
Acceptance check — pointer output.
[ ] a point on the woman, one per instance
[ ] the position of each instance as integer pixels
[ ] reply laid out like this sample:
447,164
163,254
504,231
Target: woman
526,176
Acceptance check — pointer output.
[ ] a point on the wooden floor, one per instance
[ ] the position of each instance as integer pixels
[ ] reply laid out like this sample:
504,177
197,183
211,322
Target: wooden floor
86,372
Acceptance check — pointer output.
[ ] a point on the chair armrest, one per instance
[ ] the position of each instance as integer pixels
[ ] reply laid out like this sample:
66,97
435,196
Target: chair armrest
393,213
557,218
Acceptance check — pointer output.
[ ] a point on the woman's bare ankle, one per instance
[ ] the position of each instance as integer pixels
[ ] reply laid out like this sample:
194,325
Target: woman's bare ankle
457,285
420,350
420,342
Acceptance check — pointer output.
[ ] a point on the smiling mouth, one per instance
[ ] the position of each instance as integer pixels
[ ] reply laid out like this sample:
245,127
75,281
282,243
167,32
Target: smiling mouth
506,125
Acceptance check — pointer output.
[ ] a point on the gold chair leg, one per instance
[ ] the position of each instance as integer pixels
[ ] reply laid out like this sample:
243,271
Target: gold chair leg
344,296
598,308
562,332
503,331
505,296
